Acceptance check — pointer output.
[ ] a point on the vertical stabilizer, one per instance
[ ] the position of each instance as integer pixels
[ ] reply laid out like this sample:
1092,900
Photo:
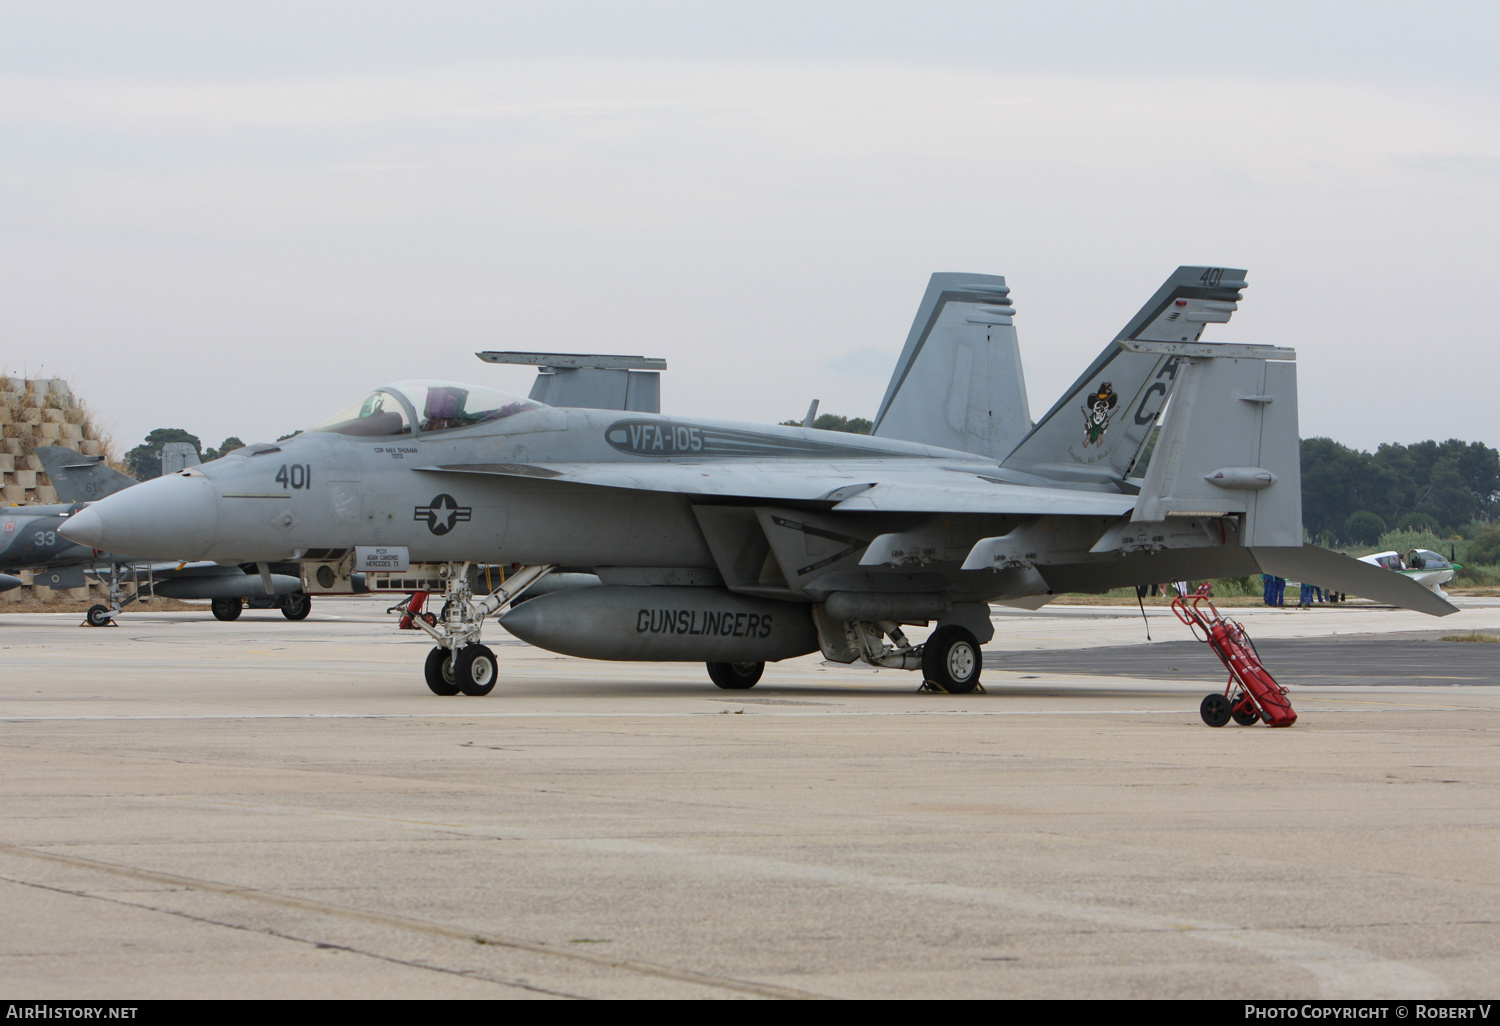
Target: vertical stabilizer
80,478
1098,428
958,383
177,456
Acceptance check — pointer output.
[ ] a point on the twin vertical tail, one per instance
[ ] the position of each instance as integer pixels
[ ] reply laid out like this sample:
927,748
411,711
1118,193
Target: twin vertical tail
1100,429
958,383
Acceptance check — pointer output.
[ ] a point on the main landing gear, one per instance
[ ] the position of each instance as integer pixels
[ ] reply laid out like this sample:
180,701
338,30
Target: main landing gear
736,676
460,664
296,606
950,660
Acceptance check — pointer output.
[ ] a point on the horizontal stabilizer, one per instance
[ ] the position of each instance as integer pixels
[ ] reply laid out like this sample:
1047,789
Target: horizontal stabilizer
1228,444
1333,570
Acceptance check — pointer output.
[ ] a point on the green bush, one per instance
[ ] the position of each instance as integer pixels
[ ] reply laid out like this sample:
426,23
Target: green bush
1484,548
1227,586
1478,576
1364,527
1418,522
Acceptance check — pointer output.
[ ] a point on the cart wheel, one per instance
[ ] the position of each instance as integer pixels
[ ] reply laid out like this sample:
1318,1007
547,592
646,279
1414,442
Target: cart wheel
1245,717
1215,710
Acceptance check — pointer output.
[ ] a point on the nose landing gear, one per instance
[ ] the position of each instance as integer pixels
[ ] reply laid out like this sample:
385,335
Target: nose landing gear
459,663
104,616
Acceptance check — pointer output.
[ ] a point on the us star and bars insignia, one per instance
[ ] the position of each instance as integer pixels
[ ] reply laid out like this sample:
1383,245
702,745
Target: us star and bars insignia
442,513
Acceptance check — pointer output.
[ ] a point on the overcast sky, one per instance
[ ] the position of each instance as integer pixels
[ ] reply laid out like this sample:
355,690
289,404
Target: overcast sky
236,218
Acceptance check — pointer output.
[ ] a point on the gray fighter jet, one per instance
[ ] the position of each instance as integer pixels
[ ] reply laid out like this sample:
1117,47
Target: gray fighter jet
735,545
30,539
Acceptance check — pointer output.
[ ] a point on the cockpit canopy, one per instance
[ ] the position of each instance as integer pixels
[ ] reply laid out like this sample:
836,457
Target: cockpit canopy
1426,559
431,405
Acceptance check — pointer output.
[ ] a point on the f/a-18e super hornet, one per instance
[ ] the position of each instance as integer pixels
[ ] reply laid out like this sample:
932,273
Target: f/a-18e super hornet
30,539
733,544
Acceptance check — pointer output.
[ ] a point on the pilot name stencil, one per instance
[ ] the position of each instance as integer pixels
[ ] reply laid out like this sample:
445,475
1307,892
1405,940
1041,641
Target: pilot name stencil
442,513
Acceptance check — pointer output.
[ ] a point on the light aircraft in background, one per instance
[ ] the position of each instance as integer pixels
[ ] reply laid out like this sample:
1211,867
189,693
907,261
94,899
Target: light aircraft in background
1430,569
738,544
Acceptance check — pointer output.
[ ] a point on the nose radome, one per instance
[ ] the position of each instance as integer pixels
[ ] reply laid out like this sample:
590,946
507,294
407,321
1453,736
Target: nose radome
83,527
171,517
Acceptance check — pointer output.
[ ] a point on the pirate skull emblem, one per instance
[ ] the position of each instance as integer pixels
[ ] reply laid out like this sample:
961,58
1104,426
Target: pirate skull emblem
1096,413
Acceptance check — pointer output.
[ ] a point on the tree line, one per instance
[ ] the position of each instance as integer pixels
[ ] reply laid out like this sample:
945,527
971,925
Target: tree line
144,461
1352,497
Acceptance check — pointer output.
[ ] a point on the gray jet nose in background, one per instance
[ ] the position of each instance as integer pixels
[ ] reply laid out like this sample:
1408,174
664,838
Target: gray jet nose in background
169,518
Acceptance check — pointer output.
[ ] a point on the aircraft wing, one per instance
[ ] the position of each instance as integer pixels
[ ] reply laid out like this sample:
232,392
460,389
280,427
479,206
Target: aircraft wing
972,494
889,487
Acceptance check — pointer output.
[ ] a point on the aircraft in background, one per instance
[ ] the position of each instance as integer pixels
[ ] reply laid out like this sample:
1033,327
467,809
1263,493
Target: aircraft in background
30,540
1430,569
737,544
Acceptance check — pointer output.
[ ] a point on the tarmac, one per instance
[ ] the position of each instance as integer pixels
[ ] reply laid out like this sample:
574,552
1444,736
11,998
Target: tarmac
267,809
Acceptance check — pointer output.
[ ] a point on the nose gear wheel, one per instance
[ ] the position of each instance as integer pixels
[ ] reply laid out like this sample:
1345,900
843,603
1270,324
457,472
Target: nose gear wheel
439,673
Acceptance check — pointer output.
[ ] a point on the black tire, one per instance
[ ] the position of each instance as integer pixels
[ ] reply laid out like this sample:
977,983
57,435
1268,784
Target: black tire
951,660
296,606
475,670
98,616
226,609
430,619
736,676
439,673
1215,710
1245,718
